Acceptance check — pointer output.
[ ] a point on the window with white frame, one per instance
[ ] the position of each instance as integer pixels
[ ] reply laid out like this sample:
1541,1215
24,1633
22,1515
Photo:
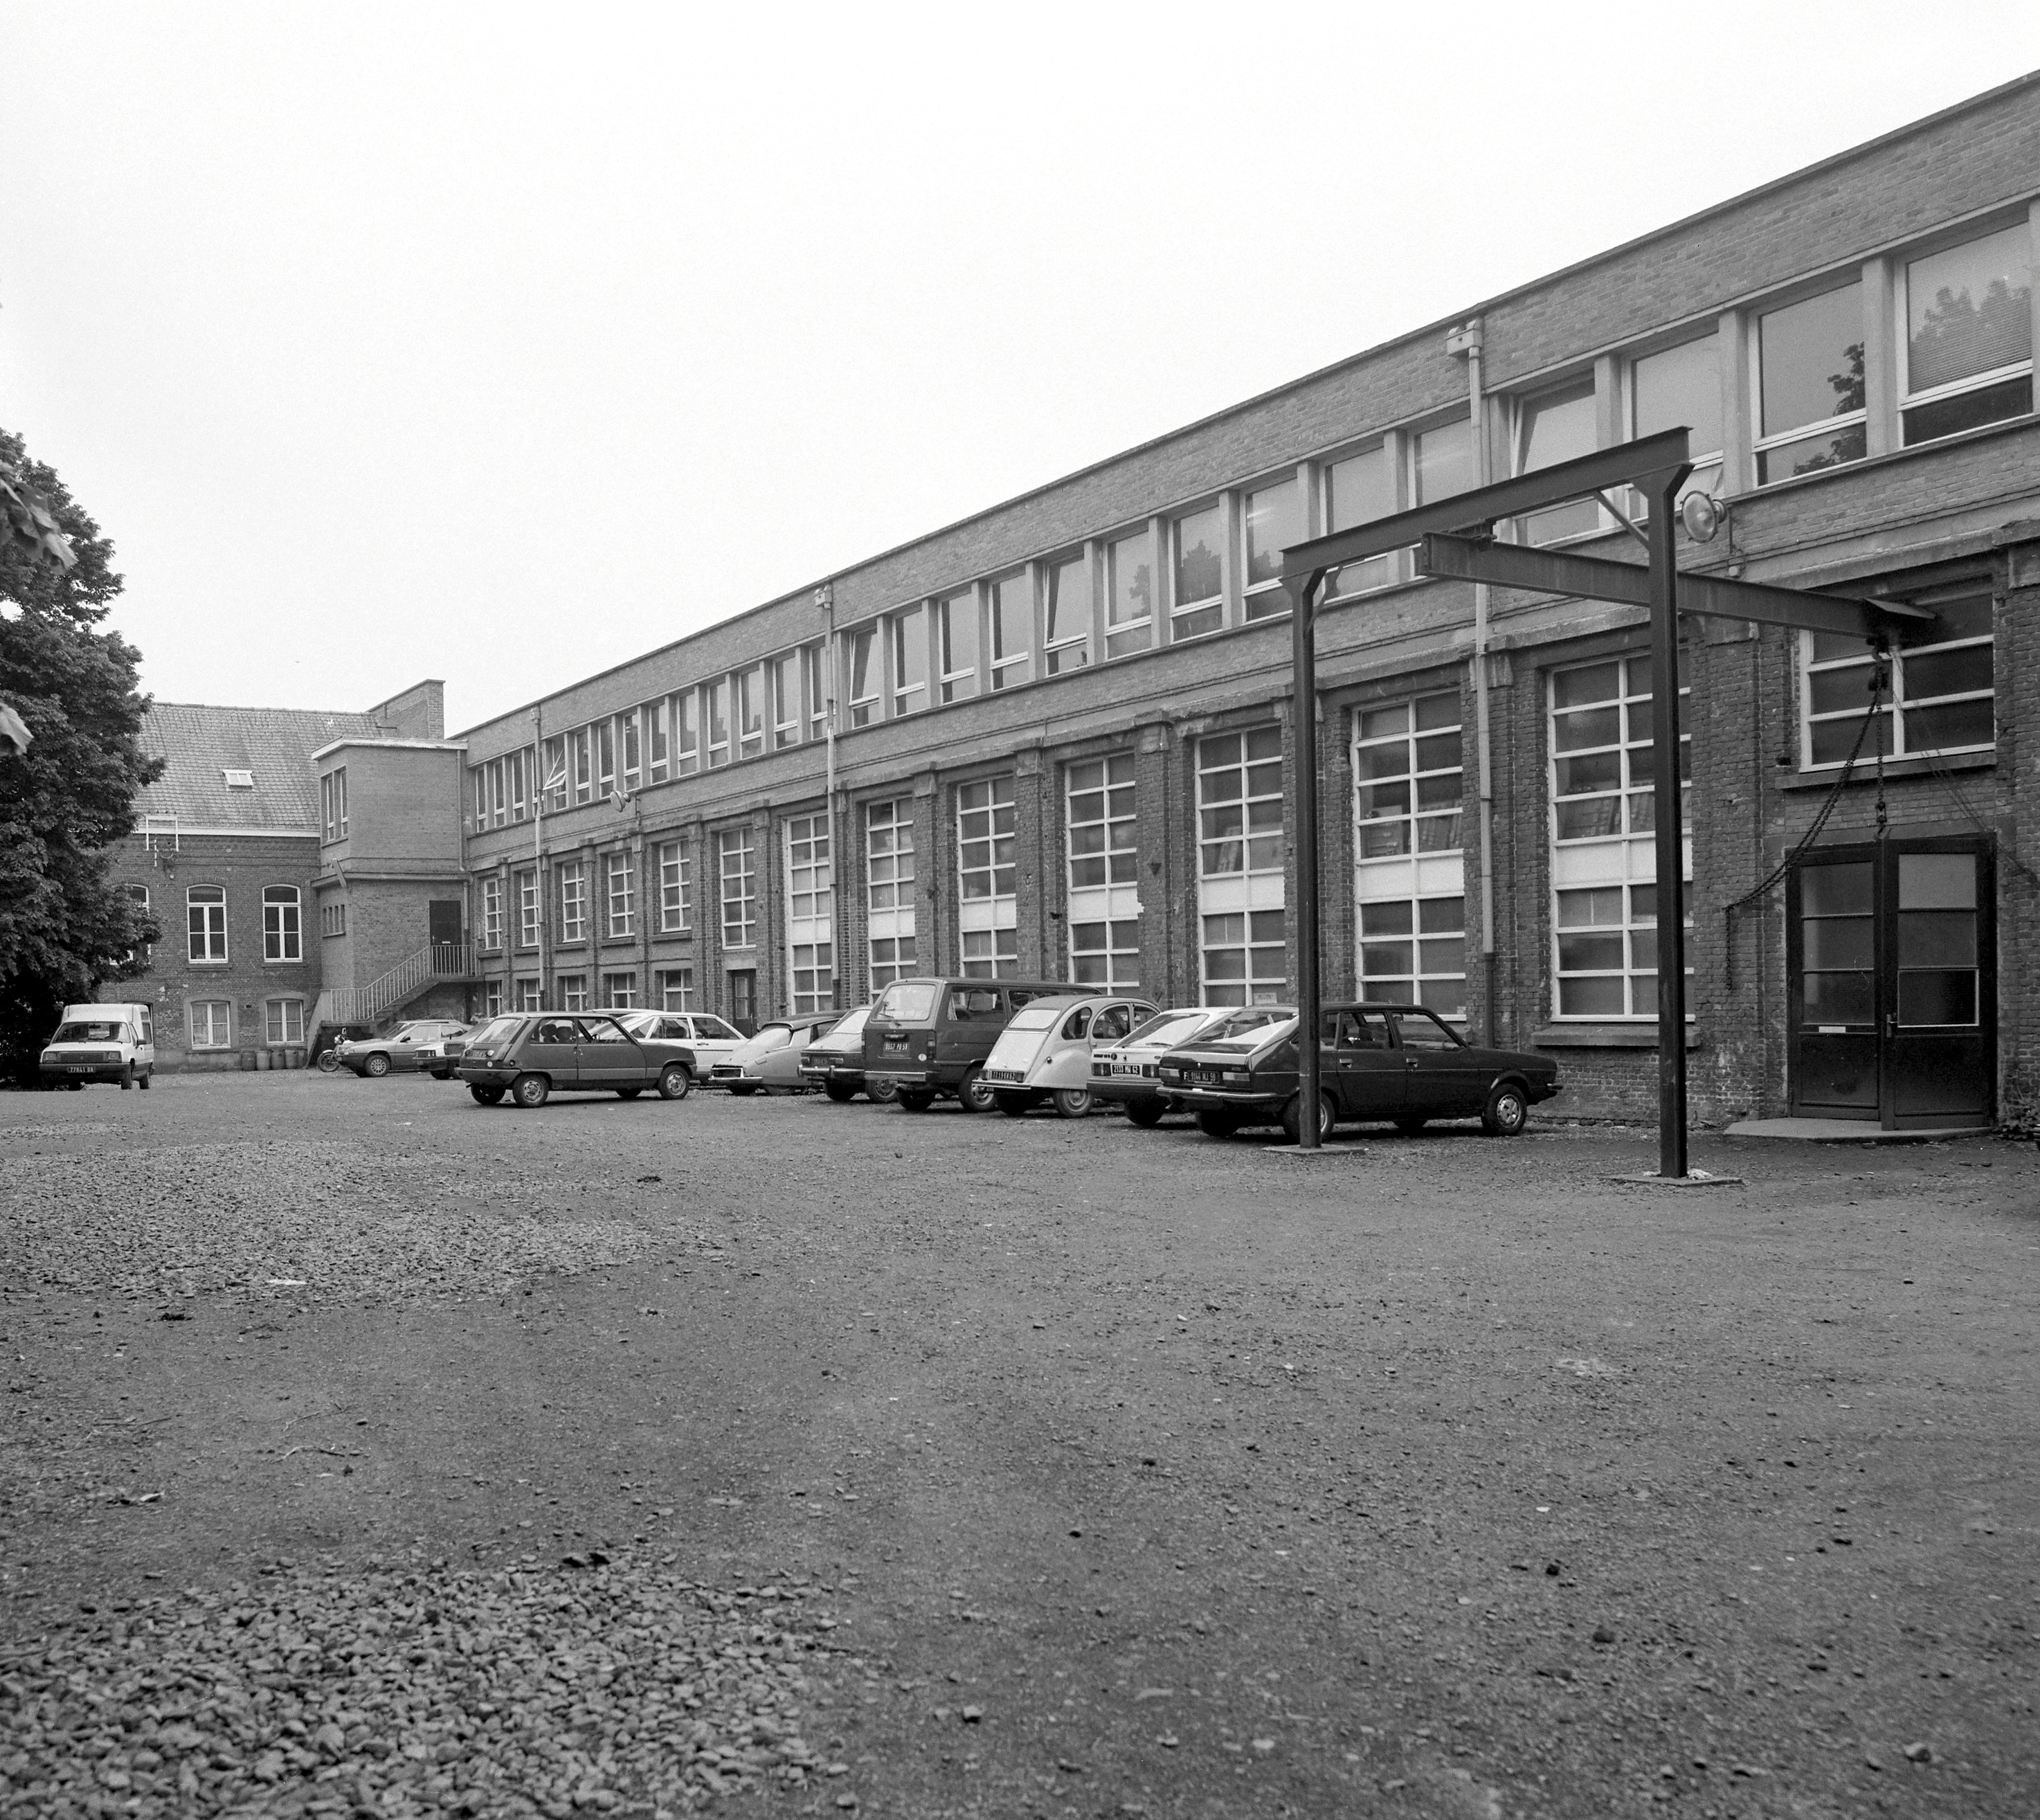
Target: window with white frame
1605,920
687,733
556,773
987,914
603,734
1129,594
810,913
1408,869
1274,521
676,887
573,900
749,688
283,1020
1551,427
1359,489
491,998
909,634
205,919
1941,694
1966,358
516,767
528,907
333,803
1009,628
737,849
1198,605
1441,461
573,992
621,892
866,662
332,918
1066,614
633,755
1240,889
817,690
675,988
619,989
283,929
658,740
888,876
580,748
138,895
492,912
1104,875
717,696
529,993
785,673
210,1023
1809,385
956,632
1676,386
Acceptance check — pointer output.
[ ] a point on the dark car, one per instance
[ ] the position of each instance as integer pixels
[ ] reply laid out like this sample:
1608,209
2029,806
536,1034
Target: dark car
532,1055
931,1036
835,1062
1398,1064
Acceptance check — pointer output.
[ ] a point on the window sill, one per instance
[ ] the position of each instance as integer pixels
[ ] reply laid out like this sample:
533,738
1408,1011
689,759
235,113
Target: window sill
2005,426
1607,1036
1866,771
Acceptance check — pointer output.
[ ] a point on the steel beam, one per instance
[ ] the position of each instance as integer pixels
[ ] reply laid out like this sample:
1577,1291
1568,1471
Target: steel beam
1304,720
1664,584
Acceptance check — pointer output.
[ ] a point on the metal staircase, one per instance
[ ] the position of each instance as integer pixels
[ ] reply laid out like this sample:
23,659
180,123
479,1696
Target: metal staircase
435,962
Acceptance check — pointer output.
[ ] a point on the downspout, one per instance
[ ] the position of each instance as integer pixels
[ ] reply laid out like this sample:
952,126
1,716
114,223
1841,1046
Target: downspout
825,604
540,784
1465,342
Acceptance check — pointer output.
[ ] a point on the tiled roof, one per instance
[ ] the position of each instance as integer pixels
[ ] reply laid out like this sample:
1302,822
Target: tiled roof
202,743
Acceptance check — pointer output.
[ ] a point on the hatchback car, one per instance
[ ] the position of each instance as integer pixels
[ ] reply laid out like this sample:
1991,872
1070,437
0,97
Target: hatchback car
771,1060
1397,1064
708,1039
1045,1052
532,1055
834,1062
1126,1073
421,1044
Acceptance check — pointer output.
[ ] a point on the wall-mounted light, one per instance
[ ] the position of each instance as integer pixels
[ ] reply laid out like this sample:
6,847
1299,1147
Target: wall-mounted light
1703,514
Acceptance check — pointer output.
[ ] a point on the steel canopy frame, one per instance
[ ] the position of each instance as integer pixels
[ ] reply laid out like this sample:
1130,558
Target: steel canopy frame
1657,466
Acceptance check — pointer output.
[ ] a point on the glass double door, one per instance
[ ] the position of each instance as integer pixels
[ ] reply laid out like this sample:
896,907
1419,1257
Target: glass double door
1891,966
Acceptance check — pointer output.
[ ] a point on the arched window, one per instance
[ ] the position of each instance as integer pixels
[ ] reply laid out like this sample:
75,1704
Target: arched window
283,938
205,912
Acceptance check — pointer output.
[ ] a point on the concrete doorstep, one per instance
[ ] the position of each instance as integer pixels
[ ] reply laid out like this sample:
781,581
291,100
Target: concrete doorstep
1848,1130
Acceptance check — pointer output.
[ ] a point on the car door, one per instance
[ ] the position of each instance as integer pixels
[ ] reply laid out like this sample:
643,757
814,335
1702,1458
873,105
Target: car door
1446,1079
608,1058
1367,1070
553,1050
713,1041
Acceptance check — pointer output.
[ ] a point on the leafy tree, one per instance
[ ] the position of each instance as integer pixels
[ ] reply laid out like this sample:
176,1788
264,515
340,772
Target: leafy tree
65,930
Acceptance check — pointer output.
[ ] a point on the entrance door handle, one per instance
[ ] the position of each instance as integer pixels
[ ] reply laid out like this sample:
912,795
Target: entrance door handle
1891,1023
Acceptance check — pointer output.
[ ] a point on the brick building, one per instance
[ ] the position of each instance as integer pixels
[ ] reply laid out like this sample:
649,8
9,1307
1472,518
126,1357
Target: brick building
1057,737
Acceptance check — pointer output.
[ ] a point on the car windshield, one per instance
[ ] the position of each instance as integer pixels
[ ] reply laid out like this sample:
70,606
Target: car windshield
495,1030
908,1001
641,1023
1037,1016
852,1022
1167,1027
1248,1027
772,1036
93,1033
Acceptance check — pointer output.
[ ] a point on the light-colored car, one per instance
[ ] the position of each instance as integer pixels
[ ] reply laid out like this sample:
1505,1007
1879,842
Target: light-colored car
710,1038
772,1058
1045,1052
101,1042
428,1045
1124,1073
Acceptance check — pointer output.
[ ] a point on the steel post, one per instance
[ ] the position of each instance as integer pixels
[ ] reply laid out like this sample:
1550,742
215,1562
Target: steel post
1303,718
1663,489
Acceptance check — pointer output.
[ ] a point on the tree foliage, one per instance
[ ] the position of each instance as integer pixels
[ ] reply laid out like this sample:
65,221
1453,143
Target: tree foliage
65,930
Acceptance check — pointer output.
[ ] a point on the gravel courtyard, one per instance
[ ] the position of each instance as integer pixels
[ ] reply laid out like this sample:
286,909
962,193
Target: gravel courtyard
369,1452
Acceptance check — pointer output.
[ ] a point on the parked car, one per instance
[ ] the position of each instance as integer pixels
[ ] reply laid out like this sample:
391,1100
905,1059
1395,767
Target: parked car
325,1052
418,1045
100,1042
930,1037
1397,1064
772,1058
1126,1073
1045,1052
834,1062
532,1055
708,1039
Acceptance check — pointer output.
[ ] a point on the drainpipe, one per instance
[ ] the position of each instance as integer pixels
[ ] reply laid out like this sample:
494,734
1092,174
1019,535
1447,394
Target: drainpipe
825,604
540,782
1465,342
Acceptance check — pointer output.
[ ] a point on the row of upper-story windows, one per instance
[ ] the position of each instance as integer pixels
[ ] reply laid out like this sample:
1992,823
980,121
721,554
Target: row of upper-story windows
1905,349
205,924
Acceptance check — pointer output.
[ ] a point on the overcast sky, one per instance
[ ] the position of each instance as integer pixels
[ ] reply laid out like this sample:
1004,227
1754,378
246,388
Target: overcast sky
500,343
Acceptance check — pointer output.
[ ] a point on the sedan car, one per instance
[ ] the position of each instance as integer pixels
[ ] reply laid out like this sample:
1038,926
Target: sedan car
834,1062
532,1055
1045,1052
1126,1073
708,1039
1397,1064
423,1044
772,1058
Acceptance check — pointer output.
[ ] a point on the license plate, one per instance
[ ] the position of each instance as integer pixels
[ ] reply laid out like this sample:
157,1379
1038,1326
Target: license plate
1125,1067
895,1043
76,1068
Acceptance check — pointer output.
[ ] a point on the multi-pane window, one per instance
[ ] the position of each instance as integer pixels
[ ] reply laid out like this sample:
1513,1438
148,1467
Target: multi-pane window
1551,428
1603,823
205,916
491,998
1129,594
1940,696
1677,386
717,696
813,975
1967,352
675,987
909,633
749,688
211,1023
514,768
1441,461
1011,627
676,887
817,693
492,912
1409,877
864,668
526,992
555,784
1359,489
580,747
1106,952
991,953
1239,802
1198,604
283,932
810,913
785,699
619,990
984,838
1274,521
737,849
1104,872
687,733
621,892
333,803
573,900
956,631
527,908
1066,614
632,751
284,1020
889,873
1242,955
138,895
573,992
332,918
1810,390
604,734
658,743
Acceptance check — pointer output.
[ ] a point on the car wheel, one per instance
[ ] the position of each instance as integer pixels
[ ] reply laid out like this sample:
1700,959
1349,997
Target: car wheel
531,1089
743,1089
674,1082
914,1099
143,1084
1013,1105
1217,1120
881,1092
1410,1127
839,1090
1507,1111
1292,1117
376,1066
484,1093
1071,1102
328,1063
127,1078
1144,1113
629,1092
975,1095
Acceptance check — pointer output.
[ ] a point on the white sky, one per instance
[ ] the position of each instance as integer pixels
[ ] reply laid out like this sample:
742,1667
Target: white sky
500,343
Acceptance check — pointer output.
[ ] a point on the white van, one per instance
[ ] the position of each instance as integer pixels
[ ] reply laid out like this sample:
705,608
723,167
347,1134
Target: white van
101,1042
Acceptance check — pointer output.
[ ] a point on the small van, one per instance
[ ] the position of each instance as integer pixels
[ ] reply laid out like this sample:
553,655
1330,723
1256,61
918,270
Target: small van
930,1037
101,1042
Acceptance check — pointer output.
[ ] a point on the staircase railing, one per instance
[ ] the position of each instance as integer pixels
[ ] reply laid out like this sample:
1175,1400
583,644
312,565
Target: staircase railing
436,961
